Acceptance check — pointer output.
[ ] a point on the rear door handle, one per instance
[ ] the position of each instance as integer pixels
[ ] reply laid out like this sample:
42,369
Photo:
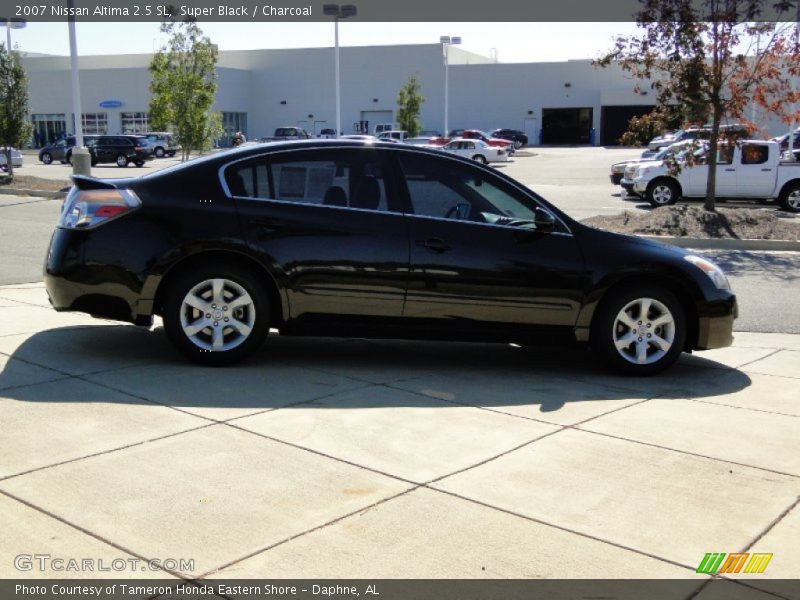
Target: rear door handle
434,244
268,224
766,170
730,169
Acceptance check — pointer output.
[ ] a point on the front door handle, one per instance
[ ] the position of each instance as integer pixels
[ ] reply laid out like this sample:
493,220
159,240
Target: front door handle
766,170
730,169
434,244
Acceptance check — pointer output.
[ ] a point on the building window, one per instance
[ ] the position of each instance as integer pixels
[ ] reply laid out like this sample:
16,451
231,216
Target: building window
95,123
135,122
47,128
231,123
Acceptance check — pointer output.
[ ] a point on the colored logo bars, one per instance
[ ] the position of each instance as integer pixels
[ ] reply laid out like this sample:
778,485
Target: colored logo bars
716,562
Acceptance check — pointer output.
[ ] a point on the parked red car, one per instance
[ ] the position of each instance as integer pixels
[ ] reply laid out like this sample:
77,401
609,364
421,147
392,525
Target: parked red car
476,134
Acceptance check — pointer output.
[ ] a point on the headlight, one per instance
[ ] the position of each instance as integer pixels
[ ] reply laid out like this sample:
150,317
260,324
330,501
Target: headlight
709,268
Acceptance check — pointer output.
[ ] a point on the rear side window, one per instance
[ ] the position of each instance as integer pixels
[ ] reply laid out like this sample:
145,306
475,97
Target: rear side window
754,154
349,179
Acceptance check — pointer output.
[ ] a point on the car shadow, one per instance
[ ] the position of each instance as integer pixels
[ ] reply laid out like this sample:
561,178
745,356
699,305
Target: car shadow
288,370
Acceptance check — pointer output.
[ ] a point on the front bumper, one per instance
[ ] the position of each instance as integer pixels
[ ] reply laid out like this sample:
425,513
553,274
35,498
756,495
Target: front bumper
640,186
616,178
627,185
715,328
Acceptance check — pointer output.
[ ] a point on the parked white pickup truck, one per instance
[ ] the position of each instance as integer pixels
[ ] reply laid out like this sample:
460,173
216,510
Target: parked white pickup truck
748,169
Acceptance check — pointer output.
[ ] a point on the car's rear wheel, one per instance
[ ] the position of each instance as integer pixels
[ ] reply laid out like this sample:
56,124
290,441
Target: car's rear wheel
639,330
479,158
68,158
160,152
139,163
122,160
662,192
790,198
216,314
47,158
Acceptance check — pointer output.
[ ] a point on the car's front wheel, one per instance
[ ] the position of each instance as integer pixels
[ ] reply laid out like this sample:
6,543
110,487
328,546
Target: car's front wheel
662,192
216,314
160,152
639,330
47,158
517,144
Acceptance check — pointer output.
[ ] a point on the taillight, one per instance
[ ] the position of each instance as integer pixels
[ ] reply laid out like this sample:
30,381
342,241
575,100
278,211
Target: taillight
85,209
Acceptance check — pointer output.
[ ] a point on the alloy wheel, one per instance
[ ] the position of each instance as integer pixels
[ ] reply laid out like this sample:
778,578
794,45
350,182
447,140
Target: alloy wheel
217,315
644,331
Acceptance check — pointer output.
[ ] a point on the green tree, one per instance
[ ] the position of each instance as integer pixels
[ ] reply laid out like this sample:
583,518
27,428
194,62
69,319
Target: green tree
709,59
409,103
183,86
15,129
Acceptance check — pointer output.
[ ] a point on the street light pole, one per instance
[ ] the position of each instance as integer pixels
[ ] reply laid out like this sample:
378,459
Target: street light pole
446,42
12,24
81,161
338,12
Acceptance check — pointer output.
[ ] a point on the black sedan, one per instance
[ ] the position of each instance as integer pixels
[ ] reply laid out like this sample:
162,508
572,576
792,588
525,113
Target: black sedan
351,238
519,138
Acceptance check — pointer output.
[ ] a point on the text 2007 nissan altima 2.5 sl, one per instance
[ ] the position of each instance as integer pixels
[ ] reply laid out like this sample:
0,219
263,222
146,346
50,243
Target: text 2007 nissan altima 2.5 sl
352,238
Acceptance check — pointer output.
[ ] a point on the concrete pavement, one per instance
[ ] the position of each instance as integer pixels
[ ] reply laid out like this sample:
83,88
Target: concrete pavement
352,458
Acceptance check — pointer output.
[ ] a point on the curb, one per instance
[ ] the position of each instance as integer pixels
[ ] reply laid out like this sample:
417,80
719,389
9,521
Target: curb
727,244
35,193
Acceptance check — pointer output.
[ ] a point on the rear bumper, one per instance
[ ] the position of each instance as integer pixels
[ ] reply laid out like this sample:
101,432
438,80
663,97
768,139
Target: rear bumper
77,277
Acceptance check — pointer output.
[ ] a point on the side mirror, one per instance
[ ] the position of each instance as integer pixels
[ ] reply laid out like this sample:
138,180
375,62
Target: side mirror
544,220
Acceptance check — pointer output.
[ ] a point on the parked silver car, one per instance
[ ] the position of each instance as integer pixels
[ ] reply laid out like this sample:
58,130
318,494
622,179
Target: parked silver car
16,158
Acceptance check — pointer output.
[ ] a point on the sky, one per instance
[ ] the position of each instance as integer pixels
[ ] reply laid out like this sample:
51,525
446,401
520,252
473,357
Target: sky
512,42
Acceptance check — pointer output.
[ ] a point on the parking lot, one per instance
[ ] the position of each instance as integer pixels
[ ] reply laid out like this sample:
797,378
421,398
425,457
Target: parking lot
329,458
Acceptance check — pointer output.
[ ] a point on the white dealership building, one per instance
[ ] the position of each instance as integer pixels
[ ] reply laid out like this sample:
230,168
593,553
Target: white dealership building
569,102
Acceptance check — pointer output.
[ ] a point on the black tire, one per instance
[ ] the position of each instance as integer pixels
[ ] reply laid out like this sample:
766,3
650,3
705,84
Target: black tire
170,154
47,158
139,163
256,314
790,197
68,158
160,152
122,160
662,192
517,145
609,332
480,158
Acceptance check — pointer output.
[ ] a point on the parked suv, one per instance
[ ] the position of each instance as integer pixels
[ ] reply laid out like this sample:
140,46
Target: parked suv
120,149
162,143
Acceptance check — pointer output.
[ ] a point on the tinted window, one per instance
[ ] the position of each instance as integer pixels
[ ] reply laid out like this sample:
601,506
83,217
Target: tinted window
455,191
348,179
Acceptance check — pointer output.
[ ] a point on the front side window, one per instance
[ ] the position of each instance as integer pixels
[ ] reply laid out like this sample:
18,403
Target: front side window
349,179
455,191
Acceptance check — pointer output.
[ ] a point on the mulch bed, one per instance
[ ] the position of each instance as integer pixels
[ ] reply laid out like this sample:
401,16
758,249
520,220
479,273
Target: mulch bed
26,182
695,222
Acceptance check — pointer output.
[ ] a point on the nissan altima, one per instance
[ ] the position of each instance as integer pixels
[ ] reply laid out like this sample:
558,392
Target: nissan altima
361,239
